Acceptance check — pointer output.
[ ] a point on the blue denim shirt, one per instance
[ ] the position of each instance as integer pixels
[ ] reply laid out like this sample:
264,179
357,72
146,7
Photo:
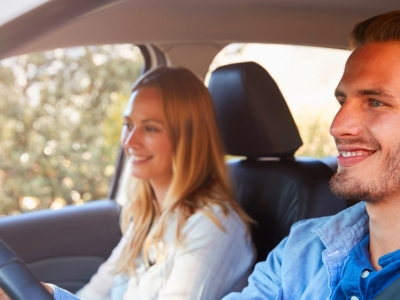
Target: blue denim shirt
60,294
307,264
360,279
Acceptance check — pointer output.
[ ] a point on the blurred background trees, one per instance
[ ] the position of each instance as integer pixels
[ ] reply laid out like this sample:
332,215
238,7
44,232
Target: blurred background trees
61,114
60,118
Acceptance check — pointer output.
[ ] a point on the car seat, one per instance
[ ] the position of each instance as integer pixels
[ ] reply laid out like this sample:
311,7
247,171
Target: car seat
274,188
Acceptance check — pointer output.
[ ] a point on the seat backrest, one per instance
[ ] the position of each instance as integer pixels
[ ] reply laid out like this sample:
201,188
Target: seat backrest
275,188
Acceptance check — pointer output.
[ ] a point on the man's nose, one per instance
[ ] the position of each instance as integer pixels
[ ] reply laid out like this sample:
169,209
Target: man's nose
348,120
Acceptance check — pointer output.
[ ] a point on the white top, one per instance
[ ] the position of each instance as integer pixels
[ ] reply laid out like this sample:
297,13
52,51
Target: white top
208,264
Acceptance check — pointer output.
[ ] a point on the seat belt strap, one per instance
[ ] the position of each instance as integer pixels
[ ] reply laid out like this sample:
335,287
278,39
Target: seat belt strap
390,292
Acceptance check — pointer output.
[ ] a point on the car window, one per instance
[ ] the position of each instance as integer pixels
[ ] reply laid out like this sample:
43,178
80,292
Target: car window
307,77
60,122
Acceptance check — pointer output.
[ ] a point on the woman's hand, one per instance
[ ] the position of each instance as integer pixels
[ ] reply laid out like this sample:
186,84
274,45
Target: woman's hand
48,288
3,295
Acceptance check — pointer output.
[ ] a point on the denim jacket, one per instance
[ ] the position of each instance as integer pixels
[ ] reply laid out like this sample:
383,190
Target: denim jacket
307,264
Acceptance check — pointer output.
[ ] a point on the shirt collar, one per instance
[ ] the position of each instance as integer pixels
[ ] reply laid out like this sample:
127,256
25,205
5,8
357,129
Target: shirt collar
344,230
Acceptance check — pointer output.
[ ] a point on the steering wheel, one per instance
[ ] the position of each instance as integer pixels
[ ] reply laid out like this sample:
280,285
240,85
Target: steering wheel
17,281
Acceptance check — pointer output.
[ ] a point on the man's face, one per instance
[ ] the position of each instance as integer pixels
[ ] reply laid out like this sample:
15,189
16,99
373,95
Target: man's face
367,127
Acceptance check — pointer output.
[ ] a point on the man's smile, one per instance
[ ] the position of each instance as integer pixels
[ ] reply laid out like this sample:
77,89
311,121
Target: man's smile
350,155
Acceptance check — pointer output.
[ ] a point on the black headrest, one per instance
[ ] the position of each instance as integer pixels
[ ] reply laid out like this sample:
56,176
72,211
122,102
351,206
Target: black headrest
253,117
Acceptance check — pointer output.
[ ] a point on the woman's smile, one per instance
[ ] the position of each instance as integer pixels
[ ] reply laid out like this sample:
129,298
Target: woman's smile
134,159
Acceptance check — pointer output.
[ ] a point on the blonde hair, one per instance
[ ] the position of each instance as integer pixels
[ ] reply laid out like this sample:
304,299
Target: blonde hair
200,177
380,28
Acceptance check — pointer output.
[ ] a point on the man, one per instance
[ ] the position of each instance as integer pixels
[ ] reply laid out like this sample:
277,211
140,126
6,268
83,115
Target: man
354,254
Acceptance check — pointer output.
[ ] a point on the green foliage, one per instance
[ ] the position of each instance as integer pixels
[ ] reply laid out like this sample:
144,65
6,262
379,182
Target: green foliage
314,132
60,118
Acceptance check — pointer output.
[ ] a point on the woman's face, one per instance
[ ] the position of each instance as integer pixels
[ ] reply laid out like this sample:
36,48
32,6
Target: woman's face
145,139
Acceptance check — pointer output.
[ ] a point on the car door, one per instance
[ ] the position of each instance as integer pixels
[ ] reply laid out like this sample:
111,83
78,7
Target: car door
65,246
62,246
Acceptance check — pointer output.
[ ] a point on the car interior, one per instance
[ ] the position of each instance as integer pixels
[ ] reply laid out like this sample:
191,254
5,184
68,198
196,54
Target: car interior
276,189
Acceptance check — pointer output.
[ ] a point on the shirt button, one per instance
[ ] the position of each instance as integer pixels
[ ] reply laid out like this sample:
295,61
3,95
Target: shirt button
365,274
354,298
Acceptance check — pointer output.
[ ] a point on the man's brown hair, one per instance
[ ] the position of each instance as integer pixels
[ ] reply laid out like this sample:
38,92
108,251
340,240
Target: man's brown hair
381,28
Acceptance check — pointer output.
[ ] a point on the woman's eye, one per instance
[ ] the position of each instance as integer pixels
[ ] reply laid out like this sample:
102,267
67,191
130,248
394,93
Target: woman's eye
128,126
376,103
150,129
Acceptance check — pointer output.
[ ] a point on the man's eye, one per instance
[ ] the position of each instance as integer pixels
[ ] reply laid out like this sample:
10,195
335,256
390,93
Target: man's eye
376,103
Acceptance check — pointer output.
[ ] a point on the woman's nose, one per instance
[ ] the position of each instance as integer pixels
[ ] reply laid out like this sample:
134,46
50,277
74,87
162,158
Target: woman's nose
133,139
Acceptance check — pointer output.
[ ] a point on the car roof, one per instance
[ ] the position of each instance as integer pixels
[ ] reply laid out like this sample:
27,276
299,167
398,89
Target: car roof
66,23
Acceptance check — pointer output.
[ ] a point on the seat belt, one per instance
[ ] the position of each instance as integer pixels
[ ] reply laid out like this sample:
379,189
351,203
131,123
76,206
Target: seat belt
390,292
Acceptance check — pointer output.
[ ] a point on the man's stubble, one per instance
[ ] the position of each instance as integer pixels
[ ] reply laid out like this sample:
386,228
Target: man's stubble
387,183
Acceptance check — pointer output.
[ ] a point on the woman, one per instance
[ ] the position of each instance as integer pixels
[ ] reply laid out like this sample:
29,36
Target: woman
184,237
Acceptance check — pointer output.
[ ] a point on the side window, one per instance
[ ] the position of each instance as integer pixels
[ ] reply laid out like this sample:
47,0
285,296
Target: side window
307,78
60,122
